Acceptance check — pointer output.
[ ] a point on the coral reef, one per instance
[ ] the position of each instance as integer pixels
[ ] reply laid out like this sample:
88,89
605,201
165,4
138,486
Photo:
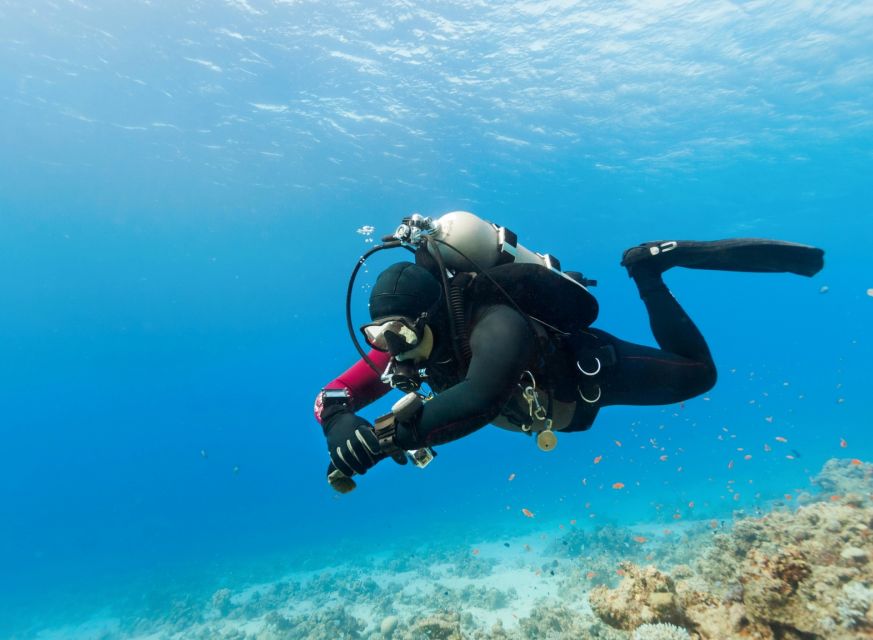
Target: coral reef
553,622
221,601
441,626
644,595
472,595
563,622
791,574
388,625
854,605
329,624
842,477
660,631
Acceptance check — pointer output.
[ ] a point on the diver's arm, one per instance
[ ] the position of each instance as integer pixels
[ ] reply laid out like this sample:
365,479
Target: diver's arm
362,384
501,343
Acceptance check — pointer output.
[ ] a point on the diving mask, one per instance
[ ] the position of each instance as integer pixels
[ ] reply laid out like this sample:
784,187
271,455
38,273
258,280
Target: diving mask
394,334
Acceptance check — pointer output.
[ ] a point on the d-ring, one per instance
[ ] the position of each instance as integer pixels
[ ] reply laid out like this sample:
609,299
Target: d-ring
582,395
590,373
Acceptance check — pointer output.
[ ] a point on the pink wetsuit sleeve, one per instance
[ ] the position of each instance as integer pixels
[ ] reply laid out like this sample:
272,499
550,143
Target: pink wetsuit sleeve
360,381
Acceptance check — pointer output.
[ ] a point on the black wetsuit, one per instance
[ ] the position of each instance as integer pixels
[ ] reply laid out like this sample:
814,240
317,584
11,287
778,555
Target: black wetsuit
503,345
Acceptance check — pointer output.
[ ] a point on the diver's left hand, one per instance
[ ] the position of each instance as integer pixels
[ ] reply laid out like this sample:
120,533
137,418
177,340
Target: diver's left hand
352,444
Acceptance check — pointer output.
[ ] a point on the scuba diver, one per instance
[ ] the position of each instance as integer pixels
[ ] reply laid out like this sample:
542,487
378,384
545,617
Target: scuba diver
501,335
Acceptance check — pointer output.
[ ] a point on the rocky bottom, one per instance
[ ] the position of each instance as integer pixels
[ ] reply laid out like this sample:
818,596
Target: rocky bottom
792,574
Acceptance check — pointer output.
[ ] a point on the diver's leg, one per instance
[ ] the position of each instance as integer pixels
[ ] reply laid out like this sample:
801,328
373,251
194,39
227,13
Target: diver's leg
681,369
674,331
646,376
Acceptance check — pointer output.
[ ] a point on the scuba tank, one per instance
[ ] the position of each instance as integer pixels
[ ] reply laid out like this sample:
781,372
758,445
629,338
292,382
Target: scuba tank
467,243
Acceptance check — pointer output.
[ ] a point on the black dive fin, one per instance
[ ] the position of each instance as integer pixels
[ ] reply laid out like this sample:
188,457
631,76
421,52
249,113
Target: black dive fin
738,254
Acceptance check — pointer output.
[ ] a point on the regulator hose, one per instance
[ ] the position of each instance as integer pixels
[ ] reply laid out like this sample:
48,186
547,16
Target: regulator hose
454,323
361,261
456,305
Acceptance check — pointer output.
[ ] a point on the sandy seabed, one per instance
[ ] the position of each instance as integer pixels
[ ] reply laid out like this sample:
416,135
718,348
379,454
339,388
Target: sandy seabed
799,573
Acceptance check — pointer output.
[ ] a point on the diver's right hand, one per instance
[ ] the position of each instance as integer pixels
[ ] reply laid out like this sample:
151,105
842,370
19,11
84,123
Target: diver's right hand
352,443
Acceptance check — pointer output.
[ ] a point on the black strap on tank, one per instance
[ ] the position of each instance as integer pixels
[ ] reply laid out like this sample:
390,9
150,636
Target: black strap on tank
454,295
460,312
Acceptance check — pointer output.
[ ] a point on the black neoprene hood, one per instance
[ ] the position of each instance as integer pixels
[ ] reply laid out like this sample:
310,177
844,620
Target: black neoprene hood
403,289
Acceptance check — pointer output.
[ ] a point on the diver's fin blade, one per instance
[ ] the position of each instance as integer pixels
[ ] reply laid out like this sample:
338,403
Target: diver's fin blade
755,255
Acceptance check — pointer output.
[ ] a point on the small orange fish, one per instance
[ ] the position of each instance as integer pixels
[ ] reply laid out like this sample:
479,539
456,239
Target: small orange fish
663,458
598,459
528,513
780,439
788,496
475,552
620,572
843,443
855,461
511,477
617,443
667,532
677,516
618,485
590,575
691,504
713,524
640,539
748,456
834,498
573,521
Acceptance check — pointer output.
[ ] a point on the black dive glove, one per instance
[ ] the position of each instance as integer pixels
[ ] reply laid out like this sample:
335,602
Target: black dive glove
351,443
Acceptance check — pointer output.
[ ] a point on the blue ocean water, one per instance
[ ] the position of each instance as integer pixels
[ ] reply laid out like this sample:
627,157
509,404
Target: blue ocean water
181,190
